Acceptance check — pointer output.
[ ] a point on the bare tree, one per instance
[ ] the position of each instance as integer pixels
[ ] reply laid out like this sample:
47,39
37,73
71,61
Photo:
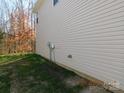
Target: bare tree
19,27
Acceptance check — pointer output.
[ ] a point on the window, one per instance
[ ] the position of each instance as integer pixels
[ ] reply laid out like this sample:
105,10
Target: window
55,2
37,19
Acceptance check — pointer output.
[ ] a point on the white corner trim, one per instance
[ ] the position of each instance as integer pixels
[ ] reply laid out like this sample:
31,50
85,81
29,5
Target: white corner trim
37,6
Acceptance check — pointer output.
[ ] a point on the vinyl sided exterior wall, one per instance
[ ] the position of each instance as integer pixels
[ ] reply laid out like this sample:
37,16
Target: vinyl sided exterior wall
92,31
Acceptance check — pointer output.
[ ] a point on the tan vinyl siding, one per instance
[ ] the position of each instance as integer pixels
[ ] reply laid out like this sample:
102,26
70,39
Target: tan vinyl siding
91,30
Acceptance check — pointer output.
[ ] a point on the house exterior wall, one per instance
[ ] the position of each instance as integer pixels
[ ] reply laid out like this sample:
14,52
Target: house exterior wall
92,31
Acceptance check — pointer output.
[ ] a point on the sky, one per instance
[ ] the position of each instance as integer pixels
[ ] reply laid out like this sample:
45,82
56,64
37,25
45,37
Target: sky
11,5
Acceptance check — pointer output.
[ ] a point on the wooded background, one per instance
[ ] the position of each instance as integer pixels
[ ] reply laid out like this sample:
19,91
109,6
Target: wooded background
17,27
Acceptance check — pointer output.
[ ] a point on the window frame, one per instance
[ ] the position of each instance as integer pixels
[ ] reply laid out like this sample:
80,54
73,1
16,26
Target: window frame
55,2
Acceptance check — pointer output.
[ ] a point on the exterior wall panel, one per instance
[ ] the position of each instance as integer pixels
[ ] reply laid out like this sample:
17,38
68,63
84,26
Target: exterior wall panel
92,31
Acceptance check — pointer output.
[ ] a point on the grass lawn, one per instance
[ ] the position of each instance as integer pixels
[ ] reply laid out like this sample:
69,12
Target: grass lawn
9,58
34,74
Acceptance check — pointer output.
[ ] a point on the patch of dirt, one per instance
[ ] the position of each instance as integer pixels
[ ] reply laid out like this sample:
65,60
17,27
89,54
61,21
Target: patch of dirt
94,89
76,80
14,87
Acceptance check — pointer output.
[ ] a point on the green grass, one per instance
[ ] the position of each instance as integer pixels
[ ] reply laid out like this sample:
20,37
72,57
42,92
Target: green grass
4,83
34,74
9,58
